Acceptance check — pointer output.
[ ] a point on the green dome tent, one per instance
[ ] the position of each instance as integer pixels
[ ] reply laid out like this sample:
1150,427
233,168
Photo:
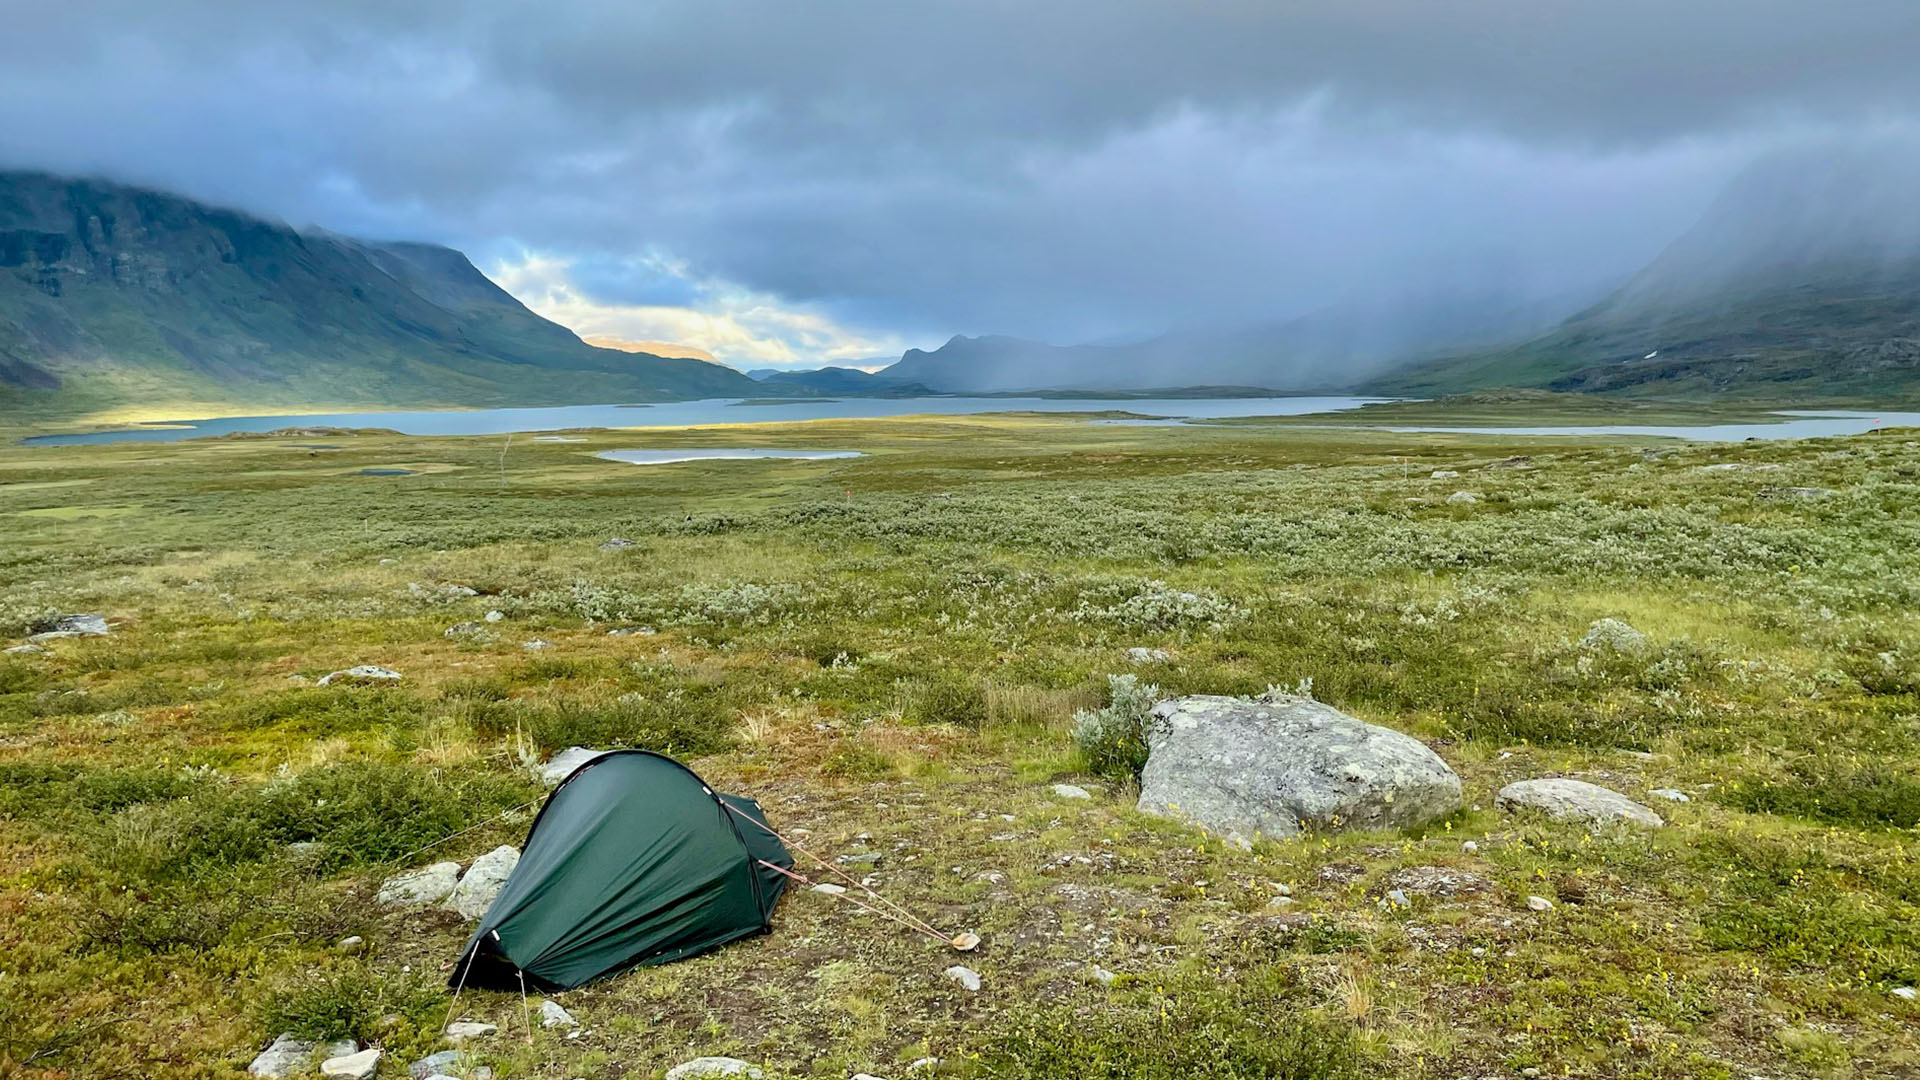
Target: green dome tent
633,860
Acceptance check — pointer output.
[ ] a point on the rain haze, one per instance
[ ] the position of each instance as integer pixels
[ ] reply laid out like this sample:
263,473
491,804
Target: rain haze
794,185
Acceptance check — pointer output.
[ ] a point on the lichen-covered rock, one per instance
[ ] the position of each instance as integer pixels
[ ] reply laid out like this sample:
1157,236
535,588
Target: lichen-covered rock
1576,800
561,765
482,882
361,673
1283,764
1462,498
699,1068
358,1066
289,1056
68,626
418,888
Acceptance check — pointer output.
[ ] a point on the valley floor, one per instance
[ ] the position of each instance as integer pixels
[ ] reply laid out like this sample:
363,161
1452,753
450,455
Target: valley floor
888,653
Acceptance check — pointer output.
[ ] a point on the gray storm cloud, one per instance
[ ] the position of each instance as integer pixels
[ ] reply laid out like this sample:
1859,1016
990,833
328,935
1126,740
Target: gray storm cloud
1066,170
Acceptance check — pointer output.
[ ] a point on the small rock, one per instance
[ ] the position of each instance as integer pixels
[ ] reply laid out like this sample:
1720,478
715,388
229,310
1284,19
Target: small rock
1576,800
536,644
1613,634
462,1030
712,1066
494,616
1445,474
617,543
1398,898
25,650
1670,794
966,977
362,673
1906,993
631,631
562,765
553,1016
288,1056
1470,846
71,626
1801,493
1539,903
919,1064
866,1076
444,1063
1140,654
1462,498
351,944
830,889
1282,902
1070,791
419,887
466,629
861,858
352,1066
1097,974
482,882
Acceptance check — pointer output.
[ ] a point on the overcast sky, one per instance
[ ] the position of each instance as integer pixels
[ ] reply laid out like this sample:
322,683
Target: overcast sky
786,183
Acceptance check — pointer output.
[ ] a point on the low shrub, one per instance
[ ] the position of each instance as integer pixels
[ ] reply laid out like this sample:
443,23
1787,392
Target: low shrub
948,700
1113,739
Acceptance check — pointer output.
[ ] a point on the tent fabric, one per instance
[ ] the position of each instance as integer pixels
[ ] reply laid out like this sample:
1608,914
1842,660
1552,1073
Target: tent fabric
633,861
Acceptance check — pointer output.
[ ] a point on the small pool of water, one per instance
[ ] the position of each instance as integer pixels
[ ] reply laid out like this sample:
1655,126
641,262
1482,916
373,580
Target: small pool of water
384,472
669,457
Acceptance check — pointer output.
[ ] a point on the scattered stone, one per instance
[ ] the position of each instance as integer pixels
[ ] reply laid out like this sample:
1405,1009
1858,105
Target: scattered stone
712,1066
1799,493
1539,903
25,650
1282,902
71,626
918,1064
553,1016
1445,474
466,629
830,888
1462,498
462,1030
618,543
482,882
1398,898
1613,634
536,644
1441,881
288,1056
358,1066
494,616
1097,974
353,943
1576,800
1670,794
1905,993
866,1076
1140,654
419,888
1277,765
966,977
562,765
1470,846
362,673
1070,791
631,631
861,858
444,1063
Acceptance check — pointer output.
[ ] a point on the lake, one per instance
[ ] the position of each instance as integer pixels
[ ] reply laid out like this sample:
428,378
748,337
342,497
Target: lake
700,414
1796,424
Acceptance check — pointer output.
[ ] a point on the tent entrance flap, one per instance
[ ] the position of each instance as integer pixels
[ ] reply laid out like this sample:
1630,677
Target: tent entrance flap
633,860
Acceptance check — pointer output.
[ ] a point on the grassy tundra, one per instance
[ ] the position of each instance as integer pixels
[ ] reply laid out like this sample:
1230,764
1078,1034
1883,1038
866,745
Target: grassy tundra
896,646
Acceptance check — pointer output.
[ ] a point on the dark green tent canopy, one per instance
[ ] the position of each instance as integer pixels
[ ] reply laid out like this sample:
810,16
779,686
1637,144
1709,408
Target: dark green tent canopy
633,860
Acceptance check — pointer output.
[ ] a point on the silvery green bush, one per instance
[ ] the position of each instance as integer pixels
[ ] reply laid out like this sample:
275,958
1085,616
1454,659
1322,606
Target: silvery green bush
1113,739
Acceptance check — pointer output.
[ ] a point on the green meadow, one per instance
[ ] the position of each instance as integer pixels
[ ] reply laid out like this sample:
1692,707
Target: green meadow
888,652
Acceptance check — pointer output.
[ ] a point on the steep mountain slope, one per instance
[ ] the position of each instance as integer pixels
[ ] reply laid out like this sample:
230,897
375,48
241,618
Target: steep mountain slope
114,296
844,382
1802,280
1324,350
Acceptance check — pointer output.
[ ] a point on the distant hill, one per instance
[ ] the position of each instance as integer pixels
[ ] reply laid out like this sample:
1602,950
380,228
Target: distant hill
113,296
656,348
1328,349
845,382
1801,281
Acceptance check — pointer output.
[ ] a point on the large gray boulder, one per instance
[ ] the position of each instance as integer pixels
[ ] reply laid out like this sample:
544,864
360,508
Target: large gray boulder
1576,800
562,764
1283,764
418,888
482,882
